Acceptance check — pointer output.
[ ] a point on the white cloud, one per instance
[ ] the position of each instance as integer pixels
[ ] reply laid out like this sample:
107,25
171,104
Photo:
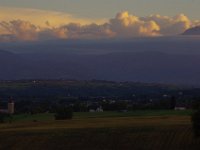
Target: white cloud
170,25
55,25
126,25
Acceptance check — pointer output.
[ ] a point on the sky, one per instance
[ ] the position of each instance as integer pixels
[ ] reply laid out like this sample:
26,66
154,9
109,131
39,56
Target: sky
95,19
108,8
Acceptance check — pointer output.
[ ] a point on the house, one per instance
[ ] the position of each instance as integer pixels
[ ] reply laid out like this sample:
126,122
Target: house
92,110
99,109
3,111
96,109
180,108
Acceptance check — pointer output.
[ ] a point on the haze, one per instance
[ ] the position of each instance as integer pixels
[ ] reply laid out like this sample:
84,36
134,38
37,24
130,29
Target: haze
109,40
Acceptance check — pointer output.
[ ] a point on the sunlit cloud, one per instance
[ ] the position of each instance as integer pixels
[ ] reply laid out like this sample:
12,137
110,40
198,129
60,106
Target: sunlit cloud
43,17
22,30
170,25
33,25
126,25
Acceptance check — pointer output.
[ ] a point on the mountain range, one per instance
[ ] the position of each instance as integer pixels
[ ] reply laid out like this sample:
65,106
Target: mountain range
193,31
151,66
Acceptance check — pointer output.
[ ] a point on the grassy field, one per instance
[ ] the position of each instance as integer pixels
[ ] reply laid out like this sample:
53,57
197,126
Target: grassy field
142,130
79,115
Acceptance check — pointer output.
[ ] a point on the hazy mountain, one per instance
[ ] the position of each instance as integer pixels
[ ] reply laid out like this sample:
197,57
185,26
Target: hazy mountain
26,66
11,65
192,31
117,66
172,45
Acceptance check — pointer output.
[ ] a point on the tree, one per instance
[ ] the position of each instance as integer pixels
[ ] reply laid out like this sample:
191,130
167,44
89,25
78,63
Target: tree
3,117
172,102
63,113
196,123
196,103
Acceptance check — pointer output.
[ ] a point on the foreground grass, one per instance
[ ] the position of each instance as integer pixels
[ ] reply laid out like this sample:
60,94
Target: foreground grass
139,130
79,115
97,123
172,132
130,138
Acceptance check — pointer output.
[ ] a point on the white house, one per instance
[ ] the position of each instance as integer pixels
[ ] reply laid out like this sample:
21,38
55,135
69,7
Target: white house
180,108
98,109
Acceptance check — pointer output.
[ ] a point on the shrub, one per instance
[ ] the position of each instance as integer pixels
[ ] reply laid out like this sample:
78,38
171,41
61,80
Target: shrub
3,117
196,123
63,113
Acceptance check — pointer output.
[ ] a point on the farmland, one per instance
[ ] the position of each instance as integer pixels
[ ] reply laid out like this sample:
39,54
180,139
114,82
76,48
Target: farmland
101,131
135,116
108,114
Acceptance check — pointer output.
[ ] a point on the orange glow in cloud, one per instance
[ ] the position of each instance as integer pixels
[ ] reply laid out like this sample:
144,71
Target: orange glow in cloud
30,24
41,17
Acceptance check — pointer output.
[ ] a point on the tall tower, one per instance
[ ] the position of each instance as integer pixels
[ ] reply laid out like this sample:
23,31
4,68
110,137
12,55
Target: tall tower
11,106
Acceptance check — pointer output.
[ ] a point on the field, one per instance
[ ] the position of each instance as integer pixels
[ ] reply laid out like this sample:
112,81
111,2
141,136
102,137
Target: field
81,115
140,130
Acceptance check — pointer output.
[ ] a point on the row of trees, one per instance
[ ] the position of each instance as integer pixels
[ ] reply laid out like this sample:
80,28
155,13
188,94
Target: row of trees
5,118
33,107
61,113
196,118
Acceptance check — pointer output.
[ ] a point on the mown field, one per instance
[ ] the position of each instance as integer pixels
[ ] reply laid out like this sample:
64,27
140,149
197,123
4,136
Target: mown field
160,130
81,115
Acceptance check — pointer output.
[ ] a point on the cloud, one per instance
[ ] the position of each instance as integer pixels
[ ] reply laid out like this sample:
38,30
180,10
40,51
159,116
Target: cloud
115,28
43,17
170,25
91,31
53,33
22,30
196,23
126,25
123,25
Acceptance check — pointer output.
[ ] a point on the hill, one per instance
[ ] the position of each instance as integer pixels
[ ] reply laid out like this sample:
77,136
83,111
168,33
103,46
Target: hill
118,66
192,31
73,88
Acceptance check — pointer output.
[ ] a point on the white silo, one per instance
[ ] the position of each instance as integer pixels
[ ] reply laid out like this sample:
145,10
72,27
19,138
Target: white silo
11,106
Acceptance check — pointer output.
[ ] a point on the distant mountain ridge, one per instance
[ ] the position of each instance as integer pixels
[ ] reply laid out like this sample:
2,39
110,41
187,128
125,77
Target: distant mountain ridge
3,52
157,67
193,31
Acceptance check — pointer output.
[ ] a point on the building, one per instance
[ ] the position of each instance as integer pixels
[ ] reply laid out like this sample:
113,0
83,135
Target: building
180,108
99,109
11,106
96,109
10,109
